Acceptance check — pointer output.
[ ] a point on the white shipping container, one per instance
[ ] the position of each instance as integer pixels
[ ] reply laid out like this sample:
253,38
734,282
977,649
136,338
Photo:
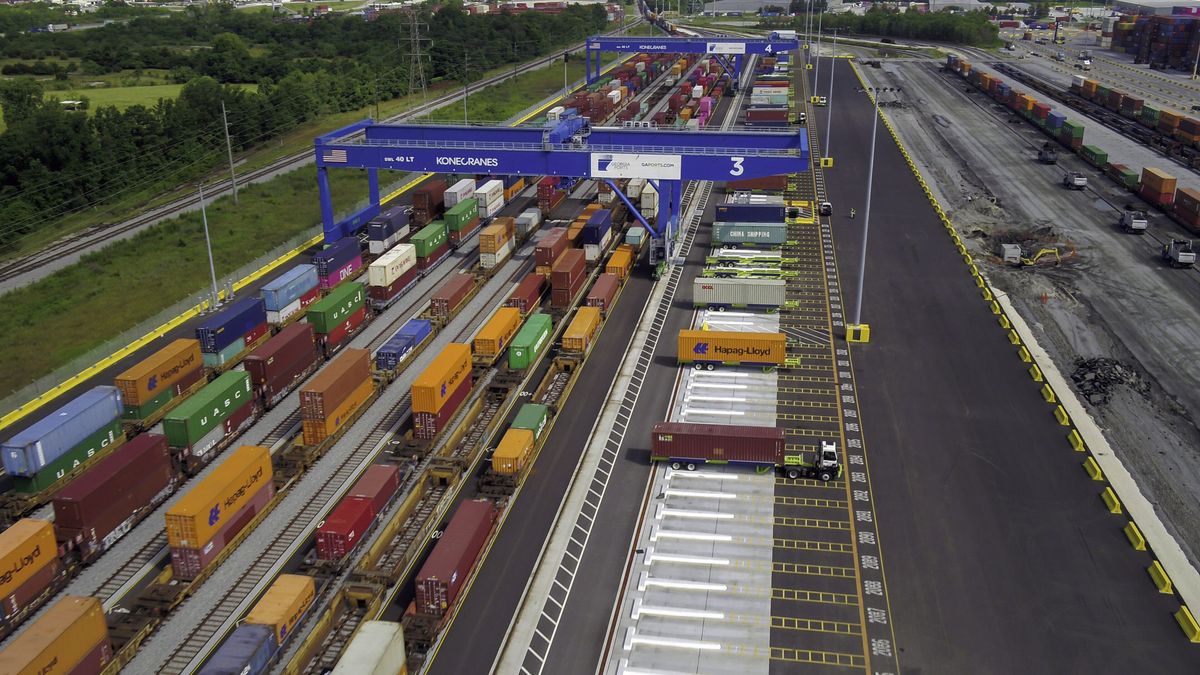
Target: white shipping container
490,209
592,252
692,124
649,199
285,313
490,190
554,114
489,260
460,192
697,91
377,649
640,66
392,265
615,96
606,197
738,292
378,247
532,217
634,189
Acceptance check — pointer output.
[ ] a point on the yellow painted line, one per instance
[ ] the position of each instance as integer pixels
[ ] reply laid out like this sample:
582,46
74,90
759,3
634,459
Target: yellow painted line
816,625
821,658
808,545
819,597
814,570
810,502
812,523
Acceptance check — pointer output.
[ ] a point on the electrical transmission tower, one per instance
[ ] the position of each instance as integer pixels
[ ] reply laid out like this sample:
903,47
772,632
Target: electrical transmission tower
416,55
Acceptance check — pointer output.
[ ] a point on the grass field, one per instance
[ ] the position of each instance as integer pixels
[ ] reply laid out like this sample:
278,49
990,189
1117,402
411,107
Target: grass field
123,97
511,97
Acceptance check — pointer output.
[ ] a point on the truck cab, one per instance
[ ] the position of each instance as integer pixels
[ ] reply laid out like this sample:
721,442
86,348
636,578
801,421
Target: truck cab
825,465
1047,154
1134,221
1074,180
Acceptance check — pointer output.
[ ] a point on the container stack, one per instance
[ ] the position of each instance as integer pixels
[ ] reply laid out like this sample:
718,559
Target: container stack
512,187
240,326
596,234
548,250
447,300
459,192
527,296
151,385
490,197
29,554
387,229
648,202
428,201
338,316
527,222
496,242
529,341
220,410
331,398
290,293
1158,187
438,392
567,277
603,292
391,274
70,637
400,345
281,362
340,261
620,262
462,221
432,244
1187,208
549,195
495,335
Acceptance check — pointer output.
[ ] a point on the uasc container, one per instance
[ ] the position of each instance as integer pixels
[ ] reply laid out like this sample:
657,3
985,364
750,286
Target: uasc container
493,338
189,425
332,310
530,341
376,649
247,651
732,348
284,603
454,556
317,431
432,244
58,433
159,372
533,417
70,637
338,534
582,329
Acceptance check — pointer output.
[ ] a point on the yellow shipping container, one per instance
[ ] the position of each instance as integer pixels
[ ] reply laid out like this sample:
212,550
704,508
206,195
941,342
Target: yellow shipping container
207,507
59,640
316,431
493,338
141,383
581,330
283,604
512,452
441,379
491,238
1159,180
573,232
732,348
590,209
25,549
620,262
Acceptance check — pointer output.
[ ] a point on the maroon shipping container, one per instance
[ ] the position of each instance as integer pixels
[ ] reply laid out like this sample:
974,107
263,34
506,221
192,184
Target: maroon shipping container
717,442
775,183
570,266
766,114
560,298
256,333
549,202
550,246
382,295
427,200
528,294
427,425
379,484
94,510
32,589
337,381
451,295
96,660
436,256
345,330
186,382
189,563
450,563
282,362
603,292
457,238
338,534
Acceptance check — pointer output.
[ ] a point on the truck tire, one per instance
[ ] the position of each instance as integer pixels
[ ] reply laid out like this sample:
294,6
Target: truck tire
709,366
793,473
675,465
691,467
698,366
825,476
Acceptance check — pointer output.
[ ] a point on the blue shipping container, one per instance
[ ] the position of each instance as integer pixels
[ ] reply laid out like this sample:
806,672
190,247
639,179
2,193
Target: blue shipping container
247,651
597,226
230,324
289,286
401,343
1055,120
57,433
387,223
750,213
337,255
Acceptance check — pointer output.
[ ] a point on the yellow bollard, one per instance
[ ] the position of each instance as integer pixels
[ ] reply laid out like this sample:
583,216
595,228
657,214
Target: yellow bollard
1076,441
1048,394
1036,373
1060,414
1134,535
1110,500
1159,576
1093,469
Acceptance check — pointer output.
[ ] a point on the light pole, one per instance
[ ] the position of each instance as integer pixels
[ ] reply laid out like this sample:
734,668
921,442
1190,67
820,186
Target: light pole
817,56
212,268
827,162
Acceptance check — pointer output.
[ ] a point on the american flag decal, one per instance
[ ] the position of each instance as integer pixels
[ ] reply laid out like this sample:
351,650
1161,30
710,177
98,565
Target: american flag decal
338,156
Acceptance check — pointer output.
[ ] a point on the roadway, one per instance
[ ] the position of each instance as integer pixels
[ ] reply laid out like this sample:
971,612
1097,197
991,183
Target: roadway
999,553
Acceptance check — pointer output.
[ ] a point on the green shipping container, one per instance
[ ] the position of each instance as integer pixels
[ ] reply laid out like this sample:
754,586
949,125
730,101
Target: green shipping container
59,468
532,416
1149,116
225,355
141,412
530,340
1129,178
430,238
207,408
461,214
767,234
1073,129
331,310
1094,156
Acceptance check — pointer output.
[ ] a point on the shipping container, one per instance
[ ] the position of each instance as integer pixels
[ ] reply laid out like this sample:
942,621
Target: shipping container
402,343
493,337
159,372
454,556
459,192
376,649
283,605
450,370
732,348
464,217
550,247
749,234
582,329
427,425
429,200
431,240
151,410
58,433
284,295
1158,181
620,262
27,548
341,531
392,265
532,417
387,229
603,292
189,563
718,443
493,237
215,499
333,309
231,324
334,384
92,512
282,362
568,268
739,293
247,651
527,296
451,295
529,341
512,453
378,484
70,637
187,424
317,430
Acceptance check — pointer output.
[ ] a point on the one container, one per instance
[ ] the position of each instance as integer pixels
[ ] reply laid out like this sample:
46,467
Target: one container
333,309
512,453
732,348
451,295
581,330
214,501
29,558
603,292
569,267
378,484
283,605
70,637
341,333
336,255
450,563
716,443
247,651
533,417
186,425
56,434
290,293
400,345
189,563
432,244
376,649
530,340
528,294
92,512
282,362
748,293
550,247
460,191
231,324
433,387
334,384
493,338
159,372
753,234
387,229
338,534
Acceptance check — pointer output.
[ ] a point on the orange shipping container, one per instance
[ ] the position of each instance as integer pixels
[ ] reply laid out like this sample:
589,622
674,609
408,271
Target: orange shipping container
493,338
512,452
441,379
317,430
492,237
283,604
204,510
1089,87
573,233
157,372
1160,181
25,549
590,209
581,330
59,640
620,262
543,270
731,347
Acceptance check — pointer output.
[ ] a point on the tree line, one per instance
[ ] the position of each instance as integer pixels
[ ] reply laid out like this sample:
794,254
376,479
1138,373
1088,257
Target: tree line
54,162
969,28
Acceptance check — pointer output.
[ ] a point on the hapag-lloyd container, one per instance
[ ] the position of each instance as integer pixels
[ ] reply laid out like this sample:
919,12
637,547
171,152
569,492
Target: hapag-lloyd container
231,324
26,548
189,563
427,425
317,431
403,341
71,637
732,348
59,432
450,563
432,388
284,604
216,500
158,372
717,442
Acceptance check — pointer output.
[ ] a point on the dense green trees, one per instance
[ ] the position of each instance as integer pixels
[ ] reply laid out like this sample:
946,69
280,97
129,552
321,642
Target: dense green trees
971,28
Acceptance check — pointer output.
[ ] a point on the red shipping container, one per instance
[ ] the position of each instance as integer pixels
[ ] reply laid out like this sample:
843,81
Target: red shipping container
560,298
427,425
189,563
94,510
427,200
450,563
603,292
550,246
766,114
451,295
345,330
717,442
379,484
281,362
95,661
338,534
528,294
547,185
435,256
257,333
382,295
1156,198
571,265
547,204
336,383
32,589
773,183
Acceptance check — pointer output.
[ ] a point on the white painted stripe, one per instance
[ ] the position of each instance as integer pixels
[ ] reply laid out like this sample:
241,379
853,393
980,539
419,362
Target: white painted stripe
720,322
719,399
701,474
692,536
696,374
687,585
677,643
685,559
679,613
698,493
714,385
713,412
683,513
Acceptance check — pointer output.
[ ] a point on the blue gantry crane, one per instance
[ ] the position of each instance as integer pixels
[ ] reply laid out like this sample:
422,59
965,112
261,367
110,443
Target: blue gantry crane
570,148
730,52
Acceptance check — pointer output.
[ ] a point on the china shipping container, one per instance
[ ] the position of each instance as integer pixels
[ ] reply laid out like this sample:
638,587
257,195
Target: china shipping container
512,452
749,234
191,426
403,341
451,295
378,484
450,563
432,244
527,296
550,247
581,330
290,293
459,192
247,651
57,434
345,526
729,293
527,222
231,324
159,372
283,605
334,384
428,201
70,637
493,337
603,292
377,648
717,443
29,558
529,341
282,362
732,348
98,508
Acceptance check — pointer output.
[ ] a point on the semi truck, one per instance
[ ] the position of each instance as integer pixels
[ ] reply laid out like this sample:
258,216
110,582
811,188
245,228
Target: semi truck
687,446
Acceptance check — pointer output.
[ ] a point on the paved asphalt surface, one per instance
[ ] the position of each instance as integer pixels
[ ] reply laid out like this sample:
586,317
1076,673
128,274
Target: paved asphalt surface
999,554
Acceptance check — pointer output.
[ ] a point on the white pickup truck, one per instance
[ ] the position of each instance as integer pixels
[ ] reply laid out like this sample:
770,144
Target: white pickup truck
1074,180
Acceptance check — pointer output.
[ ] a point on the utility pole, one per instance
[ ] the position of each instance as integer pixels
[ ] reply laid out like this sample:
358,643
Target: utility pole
566,55
862,260
212,268
466,87
229,152
829,101
817,56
